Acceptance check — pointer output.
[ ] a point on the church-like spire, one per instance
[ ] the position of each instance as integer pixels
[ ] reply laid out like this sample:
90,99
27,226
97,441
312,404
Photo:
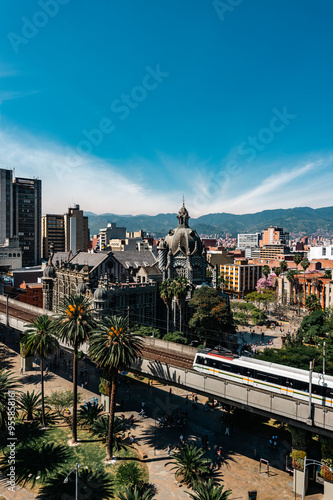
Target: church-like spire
183,216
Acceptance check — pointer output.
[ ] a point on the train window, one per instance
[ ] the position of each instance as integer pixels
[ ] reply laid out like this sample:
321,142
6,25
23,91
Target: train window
234,369
274,379
225,367
301,386
200,360
261,376
319,390
249,372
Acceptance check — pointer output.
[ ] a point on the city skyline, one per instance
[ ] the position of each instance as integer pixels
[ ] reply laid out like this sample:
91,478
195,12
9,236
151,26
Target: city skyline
132,106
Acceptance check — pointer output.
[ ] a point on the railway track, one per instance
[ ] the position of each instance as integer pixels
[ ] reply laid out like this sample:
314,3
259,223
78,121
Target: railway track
160,355
169,357
16,312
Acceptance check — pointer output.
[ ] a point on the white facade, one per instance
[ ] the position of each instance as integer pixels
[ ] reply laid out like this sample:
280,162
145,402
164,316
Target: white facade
321,252
10,254
245,240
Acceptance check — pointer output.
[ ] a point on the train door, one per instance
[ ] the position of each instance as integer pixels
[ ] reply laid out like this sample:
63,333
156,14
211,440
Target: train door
287,386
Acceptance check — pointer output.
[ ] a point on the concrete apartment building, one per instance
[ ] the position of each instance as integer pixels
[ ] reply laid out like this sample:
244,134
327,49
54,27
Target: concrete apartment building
241,277
245,240
110,232
274,236
67,233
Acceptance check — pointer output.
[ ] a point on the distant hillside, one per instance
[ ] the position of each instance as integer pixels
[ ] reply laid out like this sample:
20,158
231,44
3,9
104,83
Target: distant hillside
294,220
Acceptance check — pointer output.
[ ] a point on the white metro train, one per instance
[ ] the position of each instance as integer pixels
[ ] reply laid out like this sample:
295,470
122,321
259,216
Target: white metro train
270,377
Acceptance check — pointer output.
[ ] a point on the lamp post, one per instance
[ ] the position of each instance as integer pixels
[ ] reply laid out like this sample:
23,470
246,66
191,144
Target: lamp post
76,480
311,462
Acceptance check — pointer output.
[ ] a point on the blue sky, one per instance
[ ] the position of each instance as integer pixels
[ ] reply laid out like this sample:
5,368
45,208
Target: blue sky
123,106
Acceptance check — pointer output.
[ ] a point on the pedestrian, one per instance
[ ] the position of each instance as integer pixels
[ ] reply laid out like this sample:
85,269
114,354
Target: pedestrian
186,399
21,371
168,450
132,420
46,370
227,431
181,438
170,391
132,439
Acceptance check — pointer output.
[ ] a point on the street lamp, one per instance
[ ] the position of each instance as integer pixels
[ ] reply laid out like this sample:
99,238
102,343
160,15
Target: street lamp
311,462
76,480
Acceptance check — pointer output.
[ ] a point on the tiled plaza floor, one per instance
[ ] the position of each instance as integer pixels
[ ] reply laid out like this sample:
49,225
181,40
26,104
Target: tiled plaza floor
241,450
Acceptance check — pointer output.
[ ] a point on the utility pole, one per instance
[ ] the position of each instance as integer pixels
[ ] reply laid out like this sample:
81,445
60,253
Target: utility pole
310,390
324,354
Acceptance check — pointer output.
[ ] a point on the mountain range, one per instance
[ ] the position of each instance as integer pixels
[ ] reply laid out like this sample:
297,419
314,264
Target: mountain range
295,220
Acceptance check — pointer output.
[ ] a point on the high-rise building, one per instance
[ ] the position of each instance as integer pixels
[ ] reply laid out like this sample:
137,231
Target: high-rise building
53,231
76,230
6,205
67,233
274,236
27,210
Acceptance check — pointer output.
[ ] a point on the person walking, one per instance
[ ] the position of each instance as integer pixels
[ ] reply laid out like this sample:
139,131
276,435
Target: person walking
168,450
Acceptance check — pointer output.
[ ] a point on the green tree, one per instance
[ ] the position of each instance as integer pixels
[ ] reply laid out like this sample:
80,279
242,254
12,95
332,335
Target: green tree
61,400
91,484
30,405
166,293
73,325
101,426
211,317
266,271
209,490
328,274
240,318
297,259
8,383
313,326
189,463
312,303
258,316
39,340
113,347
180,288
277,271
305,264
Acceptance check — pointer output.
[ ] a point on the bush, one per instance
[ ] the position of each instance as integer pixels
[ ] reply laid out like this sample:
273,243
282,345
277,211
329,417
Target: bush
176,337
128,473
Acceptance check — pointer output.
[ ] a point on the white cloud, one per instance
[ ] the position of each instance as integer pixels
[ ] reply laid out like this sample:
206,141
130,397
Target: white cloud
93,183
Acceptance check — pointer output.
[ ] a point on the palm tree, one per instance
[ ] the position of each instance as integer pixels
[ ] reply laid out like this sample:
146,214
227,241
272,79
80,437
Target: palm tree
305,264
180,288
189,463
277,271
266,270
297,259
30,404
141,491
328,274
89,413
73,325
39,340
312,303
166,293
290,276
283,267
112,347
209,491
100,428
8,383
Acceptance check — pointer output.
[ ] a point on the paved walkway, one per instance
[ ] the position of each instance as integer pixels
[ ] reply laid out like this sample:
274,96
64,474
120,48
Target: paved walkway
241,450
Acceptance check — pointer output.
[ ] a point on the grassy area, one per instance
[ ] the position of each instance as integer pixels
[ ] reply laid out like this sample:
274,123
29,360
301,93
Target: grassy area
89,453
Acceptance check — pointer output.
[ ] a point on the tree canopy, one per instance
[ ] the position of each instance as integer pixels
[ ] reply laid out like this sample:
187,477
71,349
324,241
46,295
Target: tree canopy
212,319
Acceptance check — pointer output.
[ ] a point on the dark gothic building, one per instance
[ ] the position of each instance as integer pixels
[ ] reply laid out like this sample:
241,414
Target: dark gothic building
108,278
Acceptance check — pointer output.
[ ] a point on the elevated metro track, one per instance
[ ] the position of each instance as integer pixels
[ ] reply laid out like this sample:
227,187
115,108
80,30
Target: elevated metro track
172,364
